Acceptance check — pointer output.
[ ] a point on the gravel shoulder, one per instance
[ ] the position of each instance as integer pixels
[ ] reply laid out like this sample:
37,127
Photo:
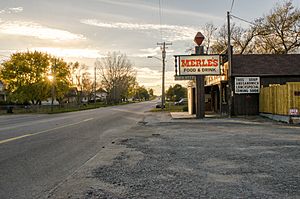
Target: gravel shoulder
211,158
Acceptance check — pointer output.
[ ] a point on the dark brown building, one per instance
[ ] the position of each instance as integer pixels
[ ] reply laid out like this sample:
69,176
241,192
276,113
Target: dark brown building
269,69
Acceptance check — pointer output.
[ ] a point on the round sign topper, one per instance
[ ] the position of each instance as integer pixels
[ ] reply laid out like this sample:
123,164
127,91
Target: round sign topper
199,38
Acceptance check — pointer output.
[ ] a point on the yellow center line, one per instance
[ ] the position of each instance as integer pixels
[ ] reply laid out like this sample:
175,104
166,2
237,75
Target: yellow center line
45,131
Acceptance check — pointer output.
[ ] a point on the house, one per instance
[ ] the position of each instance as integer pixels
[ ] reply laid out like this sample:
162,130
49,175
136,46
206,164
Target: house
101,95
2,92
248,74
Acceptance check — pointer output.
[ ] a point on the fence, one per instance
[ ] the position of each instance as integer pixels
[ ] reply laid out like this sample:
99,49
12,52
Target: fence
280,99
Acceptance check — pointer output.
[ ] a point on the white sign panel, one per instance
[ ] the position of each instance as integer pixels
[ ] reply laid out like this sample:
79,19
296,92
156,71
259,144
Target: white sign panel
294,111
199,65
247,85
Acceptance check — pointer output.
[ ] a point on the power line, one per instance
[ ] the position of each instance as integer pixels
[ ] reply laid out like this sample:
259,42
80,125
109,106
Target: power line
232,3
244,20
160,18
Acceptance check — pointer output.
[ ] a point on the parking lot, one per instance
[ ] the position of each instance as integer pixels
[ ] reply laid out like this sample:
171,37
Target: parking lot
210,158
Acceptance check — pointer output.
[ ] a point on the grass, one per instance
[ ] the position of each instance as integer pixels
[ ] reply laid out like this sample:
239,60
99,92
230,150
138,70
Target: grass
61,109
170,107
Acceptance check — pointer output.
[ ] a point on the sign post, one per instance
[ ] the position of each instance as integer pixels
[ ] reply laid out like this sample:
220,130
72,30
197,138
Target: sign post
198,65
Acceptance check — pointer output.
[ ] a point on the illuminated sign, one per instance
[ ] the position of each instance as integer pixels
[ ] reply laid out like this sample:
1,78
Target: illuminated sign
199,65
245,85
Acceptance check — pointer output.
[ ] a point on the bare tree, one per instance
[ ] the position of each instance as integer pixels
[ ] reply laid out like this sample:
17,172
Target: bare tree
242,39
275,33
279,31
208,31
116,75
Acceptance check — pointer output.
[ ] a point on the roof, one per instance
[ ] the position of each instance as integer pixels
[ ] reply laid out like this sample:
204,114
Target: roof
266,65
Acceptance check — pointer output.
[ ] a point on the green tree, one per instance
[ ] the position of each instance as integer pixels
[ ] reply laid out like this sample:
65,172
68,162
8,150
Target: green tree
176,92
151,92
142,93
62,75
26,75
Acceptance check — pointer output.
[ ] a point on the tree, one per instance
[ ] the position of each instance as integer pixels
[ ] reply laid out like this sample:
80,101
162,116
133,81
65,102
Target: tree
62,76
87,85
279,31
116,75
81,78
26,75
151,92
208,31
241,39
176,93
141,93
275,33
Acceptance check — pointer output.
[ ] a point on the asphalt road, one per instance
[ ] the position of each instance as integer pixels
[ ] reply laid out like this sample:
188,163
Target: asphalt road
37,152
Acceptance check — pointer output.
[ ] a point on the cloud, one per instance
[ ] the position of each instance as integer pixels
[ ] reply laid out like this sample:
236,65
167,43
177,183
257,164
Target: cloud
61,52
152,78
12,10
16,10
147,52
32,29
154,7
71,53
171,32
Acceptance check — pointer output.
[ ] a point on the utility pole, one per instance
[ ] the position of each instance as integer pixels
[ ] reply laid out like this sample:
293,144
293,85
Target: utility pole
163,44
95,84
229,66
53,82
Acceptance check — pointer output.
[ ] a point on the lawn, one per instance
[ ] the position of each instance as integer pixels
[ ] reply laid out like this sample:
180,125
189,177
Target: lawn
170,107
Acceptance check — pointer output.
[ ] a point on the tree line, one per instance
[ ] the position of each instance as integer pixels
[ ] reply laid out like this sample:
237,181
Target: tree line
33,77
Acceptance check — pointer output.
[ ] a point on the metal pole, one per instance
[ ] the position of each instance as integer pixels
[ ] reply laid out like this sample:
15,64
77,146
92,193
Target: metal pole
200,91
229,66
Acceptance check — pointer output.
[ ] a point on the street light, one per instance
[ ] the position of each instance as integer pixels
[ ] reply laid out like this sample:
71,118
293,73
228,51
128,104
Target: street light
163,81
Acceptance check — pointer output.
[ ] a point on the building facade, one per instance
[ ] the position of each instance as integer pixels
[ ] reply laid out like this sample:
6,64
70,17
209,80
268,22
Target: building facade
262,70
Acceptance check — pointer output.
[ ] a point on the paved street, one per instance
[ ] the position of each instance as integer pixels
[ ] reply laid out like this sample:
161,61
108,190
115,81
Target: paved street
115,153
37,152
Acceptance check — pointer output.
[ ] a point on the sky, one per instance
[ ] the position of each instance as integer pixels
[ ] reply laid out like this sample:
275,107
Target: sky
86,30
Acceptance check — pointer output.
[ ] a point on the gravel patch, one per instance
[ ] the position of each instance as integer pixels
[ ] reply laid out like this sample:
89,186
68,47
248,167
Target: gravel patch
171,160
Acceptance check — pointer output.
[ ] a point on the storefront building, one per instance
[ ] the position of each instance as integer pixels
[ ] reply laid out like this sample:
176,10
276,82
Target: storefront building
249,73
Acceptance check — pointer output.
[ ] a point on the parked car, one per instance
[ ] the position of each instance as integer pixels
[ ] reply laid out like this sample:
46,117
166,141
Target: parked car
158,105
181,102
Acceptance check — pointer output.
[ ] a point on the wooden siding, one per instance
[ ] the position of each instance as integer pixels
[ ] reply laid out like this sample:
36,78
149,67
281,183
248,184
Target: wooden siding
279,99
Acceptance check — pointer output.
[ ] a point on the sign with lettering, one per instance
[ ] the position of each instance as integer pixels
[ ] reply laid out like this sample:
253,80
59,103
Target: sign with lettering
244,85
294,111
199,65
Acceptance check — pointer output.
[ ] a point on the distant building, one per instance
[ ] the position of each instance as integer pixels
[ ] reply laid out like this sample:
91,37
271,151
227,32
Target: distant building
2,92
101,95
